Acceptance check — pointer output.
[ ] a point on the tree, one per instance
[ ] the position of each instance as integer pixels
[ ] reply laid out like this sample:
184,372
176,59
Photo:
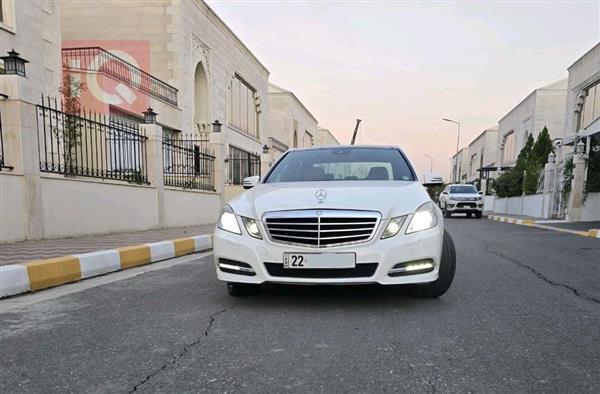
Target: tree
536,160
510,183
71,90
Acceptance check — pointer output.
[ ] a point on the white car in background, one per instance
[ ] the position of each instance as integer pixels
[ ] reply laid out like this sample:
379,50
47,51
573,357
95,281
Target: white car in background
339,215
461,198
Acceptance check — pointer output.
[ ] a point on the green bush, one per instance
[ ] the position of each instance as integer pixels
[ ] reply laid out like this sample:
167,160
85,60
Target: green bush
592,183
535,162
510,183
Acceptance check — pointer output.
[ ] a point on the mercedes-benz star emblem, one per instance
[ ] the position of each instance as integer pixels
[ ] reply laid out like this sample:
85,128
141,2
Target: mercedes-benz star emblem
320,195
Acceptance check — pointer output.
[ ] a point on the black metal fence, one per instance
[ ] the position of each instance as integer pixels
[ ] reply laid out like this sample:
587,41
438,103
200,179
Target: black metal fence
241,164
99,60
188,163
3,164
89,144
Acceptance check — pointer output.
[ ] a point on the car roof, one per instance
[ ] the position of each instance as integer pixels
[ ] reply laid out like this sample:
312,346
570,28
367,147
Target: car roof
346,146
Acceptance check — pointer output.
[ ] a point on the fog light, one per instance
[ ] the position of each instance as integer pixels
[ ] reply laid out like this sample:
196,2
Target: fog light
450,205
236,267
412,268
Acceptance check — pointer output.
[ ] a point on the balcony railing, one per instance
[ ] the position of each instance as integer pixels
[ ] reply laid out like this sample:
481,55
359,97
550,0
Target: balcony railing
96,59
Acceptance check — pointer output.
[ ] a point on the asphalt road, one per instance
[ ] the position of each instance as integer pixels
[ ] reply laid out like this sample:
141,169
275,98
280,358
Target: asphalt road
523,315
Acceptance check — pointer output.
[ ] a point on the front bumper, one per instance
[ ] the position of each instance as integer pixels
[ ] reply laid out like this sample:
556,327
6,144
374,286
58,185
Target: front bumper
464,207
386,253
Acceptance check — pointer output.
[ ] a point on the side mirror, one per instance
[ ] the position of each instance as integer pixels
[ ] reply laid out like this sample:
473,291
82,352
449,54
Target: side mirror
481,193
444,192
250,182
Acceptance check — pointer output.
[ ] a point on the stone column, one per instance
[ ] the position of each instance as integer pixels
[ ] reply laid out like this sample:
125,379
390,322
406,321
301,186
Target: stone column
19,129
154,167
218,143
549,172
577,187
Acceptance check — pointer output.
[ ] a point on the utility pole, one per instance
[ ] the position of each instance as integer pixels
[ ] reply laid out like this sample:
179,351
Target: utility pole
355,131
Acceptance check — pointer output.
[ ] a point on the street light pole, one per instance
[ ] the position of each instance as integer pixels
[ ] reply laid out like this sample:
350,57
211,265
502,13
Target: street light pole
430,162
458,136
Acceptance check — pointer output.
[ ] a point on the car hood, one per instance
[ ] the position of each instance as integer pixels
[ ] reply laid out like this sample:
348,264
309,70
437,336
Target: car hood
390,198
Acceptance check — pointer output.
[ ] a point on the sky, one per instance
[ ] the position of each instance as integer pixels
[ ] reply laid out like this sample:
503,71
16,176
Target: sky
403,66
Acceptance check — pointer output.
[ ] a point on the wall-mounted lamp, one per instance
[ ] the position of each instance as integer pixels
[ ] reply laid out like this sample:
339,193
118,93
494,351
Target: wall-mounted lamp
149,116
14,64
216,126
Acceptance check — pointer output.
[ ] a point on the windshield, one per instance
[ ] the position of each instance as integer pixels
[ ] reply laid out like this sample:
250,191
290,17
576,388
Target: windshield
342,164
463,189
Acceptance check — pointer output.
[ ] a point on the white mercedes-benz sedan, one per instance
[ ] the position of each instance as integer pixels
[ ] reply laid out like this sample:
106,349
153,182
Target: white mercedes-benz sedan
335,215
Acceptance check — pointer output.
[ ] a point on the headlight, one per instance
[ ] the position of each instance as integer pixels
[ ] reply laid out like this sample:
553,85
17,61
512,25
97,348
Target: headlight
228,221
393,227
425,217
252,227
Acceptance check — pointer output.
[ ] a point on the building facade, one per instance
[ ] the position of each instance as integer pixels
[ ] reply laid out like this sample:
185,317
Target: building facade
324,137
460,166
190,48
544,107
289,120
580,142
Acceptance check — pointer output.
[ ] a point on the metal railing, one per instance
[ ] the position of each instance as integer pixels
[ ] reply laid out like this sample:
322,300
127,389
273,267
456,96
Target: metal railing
241,164
3,165
99,60
89,145
188,163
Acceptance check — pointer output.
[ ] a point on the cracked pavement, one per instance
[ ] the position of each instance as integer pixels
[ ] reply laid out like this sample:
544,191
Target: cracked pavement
522,316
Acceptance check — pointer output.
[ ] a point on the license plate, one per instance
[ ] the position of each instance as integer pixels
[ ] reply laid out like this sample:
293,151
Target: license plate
319,260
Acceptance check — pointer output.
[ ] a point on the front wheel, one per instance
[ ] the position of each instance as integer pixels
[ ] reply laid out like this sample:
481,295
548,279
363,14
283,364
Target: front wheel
478,215
242,289
446,274
447,213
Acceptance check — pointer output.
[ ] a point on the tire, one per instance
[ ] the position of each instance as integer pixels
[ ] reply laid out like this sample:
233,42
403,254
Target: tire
242,289
441,285
447,213
469,214
478,215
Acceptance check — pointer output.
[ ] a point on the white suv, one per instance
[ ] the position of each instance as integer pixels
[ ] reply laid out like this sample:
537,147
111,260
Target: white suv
339,215
461,198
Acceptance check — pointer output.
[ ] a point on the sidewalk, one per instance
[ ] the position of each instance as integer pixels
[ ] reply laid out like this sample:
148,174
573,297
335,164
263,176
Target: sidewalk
586,229
21,252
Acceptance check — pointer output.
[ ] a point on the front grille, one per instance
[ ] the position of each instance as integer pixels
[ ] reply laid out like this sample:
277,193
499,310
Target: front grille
364,270
467,205
321,228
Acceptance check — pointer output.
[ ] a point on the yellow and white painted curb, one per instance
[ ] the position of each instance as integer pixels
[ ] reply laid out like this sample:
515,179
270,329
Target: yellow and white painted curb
41,274
540,224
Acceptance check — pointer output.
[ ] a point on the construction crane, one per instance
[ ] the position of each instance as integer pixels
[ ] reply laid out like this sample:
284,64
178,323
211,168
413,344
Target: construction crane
355,131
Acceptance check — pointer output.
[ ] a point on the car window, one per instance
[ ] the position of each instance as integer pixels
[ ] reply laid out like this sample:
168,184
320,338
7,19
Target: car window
342,164
463,189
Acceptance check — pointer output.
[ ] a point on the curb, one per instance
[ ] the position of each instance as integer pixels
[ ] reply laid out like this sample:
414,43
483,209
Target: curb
533,223
42,274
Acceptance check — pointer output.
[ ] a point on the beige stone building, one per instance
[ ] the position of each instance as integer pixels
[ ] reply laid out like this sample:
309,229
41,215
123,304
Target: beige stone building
324,137
581,137
289,120
482,154
460,166
70,173
544,107
33,30
193,50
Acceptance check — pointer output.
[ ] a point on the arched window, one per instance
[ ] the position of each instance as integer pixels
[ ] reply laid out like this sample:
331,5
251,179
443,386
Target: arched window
201,115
